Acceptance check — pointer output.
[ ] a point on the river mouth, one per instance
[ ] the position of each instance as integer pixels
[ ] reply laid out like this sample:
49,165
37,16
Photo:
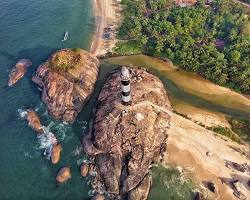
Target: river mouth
187,89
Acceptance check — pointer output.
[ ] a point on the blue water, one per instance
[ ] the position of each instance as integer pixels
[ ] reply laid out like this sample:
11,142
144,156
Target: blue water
33,29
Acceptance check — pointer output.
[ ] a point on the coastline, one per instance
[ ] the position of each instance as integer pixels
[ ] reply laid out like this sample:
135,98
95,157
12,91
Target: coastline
191,142
107,20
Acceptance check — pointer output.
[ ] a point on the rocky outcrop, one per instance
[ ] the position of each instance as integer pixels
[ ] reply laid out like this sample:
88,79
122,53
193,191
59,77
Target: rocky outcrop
67,80
126,140
55,153
63,175
34,121
18,71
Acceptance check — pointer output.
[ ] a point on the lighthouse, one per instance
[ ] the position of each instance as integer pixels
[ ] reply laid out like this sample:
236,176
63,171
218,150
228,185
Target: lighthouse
125,86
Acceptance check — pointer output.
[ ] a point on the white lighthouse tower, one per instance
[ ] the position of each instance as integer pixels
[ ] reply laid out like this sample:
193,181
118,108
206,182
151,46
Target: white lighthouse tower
125,85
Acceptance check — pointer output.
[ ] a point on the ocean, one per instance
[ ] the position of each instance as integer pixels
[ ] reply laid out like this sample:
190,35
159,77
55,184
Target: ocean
34,29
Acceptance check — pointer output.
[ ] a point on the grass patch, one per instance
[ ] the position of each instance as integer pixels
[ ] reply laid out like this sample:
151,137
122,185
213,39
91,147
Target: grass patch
226,132
66,59
241,128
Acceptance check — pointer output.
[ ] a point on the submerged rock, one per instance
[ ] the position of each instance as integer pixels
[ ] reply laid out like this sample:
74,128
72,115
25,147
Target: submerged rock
55,153
67,80
63,175
18,71
34,121
126,140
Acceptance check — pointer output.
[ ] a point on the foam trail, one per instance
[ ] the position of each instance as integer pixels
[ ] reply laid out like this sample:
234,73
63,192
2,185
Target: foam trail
22,113
47,139
78,151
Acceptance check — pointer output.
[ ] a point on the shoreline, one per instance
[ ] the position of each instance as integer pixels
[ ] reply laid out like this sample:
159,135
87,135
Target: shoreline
191,143
107,20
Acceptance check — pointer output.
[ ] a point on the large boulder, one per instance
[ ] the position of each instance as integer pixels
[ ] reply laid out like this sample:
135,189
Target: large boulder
67,80
55,153
126,140
84,169
63,175
18,71
34,121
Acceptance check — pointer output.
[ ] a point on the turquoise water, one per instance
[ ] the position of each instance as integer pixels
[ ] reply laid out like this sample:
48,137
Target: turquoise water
170,184
33,29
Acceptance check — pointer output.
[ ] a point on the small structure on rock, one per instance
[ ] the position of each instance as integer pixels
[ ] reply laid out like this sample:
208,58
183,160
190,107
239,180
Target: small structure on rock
126,140
125,84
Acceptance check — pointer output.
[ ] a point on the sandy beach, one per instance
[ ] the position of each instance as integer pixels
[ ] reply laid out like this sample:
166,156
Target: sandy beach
188,145
107,17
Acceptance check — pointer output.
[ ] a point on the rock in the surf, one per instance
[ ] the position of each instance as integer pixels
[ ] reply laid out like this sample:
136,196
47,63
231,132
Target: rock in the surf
18,71
63,175
84,169
34,121
55,153
98,197
126,140
67,80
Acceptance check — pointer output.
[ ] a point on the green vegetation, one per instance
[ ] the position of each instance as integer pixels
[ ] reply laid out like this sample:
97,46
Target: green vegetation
226,132
241,127
65,60
240,130
213,40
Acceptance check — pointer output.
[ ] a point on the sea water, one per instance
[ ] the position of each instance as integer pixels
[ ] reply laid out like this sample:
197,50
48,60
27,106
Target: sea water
34,29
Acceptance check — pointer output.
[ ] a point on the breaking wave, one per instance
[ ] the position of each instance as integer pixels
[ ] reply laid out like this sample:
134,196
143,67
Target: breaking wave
47,139
22,113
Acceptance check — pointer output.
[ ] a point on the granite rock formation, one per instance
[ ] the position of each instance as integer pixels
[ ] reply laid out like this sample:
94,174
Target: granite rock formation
63,175
56,153
84,169
18,71
34,121
126,140
67,80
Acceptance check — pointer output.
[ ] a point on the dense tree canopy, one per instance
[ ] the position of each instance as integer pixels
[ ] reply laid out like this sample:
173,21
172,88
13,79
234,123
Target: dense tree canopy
213,40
